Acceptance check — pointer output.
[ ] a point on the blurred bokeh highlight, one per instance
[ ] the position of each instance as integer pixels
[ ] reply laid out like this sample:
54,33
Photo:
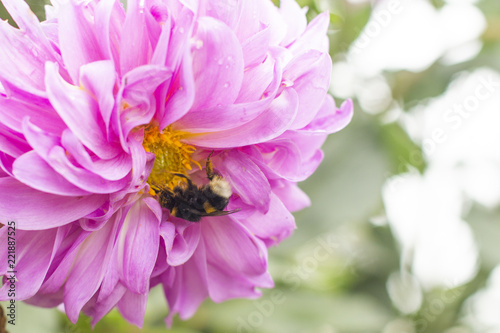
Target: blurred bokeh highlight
403,234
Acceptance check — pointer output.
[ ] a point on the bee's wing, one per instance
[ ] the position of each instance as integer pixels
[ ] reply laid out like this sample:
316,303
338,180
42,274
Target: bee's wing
221,213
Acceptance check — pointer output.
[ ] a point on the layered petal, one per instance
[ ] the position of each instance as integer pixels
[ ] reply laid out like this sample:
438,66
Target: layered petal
77,37
273,226
138,246
217,64
268,125
35,250
89,267
246,178
80,112
39,214
236,261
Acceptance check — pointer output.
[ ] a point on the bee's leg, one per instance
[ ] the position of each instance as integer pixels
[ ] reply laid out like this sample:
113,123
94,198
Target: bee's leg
166,199
209,168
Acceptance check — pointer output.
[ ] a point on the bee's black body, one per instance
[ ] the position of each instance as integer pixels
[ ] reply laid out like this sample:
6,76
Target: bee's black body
191,202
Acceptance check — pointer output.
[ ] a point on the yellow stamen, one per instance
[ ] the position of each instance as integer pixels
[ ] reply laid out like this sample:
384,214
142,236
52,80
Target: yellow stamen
171,156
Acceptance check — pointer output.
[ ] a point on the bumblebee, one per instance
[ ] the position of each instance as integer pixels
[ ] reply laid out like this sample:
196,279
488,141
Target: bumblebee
191,202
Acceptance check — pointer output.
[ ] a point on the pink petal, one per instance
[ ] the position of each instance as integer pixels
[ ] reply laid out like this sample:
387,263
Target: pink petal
111,169
12,143
275,225
309,166
39,213
31,27
137,89
189,288
294,156
228,244
133,307
180,94
261,81
33,171
135,47
138,247
225,284
268,125
248,25
310,74
314,37
60,267
154,27
225,11
173,50
245,177
109,19
80,177
160,265
41,141
77,38
16,89
217,64
13,111
249,106
179,41
295,19
256,46
88,270
307,142
279,158
330,119
139,160
21,57
291,195
105,305
33,257
99,78
6,162
47,147
258,13
111,281
80,112
185,242
160,52
237,261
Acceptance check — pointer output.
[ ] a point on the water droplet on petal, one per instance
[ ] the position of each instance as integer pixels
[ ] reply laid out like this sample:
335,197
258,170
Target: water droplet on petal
226,85
198,44
220,62
181,30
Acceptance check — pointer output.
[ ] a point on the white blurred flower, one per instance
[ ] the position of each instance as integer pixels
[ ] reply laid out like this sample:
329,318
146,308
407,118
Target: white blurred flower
482,309
412,35
405,35
373,93
458,132
424,213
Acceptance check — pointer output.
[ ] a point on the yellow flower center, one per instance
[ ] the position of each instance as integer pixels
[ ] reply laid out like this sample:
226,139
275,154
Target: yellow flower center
171,156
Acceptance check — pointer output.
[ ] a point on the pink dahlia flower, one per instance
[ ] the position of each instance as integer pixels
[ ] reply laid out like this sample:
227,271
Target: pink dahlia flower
100,107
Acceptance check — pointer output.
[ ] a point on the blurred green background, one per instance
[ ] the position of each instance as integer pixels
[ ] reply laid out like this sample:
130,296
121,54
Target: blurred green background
344,269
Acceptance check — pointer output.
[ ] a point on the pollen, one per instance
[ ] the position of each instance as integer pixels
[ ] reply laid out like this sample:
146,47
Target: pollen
171,156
